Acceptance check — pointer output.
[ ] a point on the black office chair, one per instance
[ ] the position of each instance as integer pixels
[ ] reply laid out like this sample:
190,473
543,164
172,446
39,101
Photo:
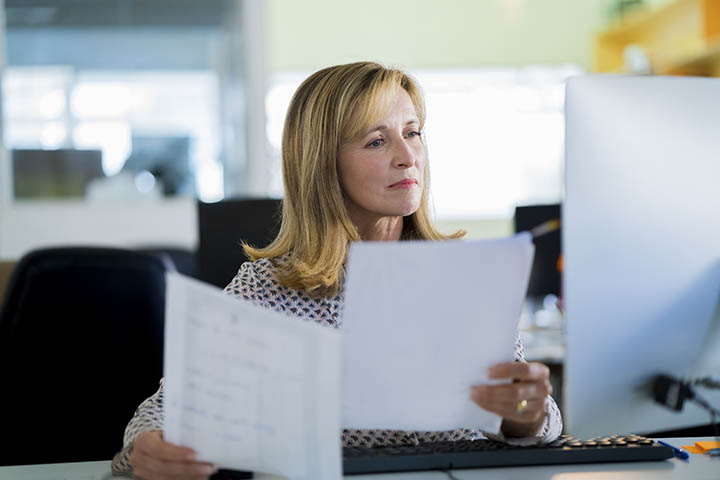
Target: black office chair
81,345
175,258
223,225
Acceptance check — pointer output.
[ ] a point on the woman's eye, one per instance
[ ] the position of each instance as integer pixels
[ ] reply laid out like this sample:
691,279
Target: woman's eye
375,143
414,134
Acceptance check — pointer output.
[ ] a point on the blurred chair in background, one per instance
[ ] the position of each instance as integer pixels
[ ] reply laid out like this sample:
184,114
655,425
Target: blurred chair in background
175,258
6,268
81,345
222,228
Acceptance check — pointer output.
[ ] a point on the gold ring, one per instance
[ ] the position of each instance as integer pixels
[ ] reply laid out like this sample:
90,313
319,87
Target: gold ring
521,405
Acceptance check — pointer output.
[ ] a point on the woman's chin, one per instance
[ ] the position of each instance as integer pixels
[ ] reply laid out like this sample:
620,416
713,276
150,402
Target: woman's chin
396,208
408,210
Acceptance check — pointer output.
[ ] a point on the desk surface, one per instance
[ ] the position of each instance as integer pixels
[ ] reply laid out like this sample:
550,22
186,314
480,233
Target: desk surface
700,467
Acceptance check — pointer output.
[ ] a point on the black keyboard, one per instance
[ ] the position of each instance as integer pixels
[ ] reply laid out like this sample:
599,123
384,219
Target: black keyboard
489,453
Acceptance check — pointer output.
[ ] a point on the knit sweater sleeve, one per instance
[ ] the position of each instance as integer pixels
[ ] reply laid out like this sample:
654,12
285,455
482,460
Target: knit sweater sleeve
148,417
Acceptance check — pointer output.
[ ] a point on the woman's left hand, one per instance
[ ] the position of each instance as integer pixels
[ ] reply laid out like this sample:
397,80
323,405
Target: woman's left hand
521,404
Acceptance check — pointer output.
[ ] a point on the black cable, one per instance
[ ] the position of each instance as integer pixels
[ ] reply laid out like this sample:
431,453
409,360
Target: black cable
707,382
672,393
697,398
450,475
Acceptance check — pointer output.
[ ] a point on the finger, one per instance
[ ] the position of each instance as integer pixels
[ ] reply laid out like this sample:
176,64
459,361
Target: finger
512,392
522,371
159,468
509,403
154,446
506,407
532,412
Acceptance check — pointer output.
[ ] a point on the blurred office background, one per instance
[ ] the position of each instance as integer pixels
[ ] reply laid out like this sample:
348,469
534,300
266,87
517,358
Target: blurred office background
119,116
149,124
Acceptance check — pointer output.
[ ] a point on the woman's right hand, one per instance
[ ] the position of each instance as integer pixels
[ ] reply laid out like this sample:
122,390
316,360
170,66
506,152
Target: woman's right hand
152,458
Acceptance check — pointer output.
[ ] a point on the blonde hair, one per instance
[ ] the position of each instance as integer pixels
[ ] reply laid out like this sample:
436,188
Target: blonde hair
332,106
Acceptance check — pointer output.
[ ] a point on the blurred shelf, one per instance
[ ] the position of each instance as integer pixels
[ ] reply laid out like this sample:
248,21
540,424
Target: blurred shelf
705,63
680,38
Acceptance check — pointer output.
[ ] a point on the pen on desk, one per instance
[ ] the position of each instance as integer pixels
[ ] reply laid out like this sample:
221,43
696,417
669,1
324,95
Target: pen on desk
679,452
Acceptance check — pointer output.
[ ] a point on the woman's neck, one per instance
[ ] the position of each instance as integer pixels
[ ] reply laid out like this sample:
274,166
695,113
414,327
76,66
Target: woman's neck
383,229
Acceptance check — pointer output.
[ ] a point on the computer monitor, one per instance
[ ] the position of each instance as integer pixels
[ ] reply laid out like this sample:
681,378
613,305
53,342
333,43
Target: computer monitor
167,158
54,173
641,246
545,276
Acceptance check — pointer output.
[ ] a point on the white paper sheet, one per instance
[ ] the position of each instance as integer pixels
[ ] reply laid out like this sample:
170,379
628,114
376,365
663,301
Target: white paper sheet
249,388
423,322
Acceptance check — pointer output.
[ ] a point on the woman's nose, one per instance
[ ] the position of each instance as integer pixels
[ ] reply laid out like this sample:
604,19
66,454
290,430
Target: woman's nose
403,155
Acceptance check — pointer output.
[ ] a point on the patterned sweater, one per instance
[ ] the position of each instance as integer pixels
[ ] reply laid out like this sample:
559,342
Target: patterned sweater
255,282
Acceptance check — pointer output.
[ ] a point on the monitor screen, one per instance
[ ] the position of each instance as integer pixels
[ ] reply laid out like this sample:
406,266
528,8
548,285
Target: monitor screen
641,246
167,158
545,277
54,173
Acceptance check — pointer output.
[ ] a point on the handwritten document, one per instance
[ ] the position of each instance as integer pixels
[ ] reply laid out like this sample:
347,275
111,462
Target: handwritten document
423,322
249,388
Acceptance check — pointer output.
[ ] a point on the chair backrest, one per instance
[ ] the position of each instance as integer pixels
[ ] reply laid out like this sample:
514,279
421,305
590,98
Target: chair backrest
81,345
6,268
223,225
175,259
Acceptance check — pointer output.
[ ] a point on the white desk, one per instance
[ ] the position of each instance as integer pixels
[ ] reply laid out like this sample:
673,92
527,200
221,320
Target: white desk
700,467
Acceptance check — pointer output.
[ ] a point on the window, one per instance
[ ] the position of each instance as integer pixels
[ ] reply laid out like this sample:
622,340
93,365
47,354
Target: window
163,123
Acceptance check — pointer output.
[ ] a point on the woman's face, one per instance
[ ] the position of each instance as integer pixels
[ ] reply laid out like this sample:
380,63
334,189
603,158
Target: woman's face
382,172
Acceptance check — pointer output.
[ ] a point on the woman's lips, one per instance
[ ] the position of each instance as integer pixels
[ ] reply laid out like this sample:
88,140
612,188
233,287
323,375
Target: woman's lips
407,183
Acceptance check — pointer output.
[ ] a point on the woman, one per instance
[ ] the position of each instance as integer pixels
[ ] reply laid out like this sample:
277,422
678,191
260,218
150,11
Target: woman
355,169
